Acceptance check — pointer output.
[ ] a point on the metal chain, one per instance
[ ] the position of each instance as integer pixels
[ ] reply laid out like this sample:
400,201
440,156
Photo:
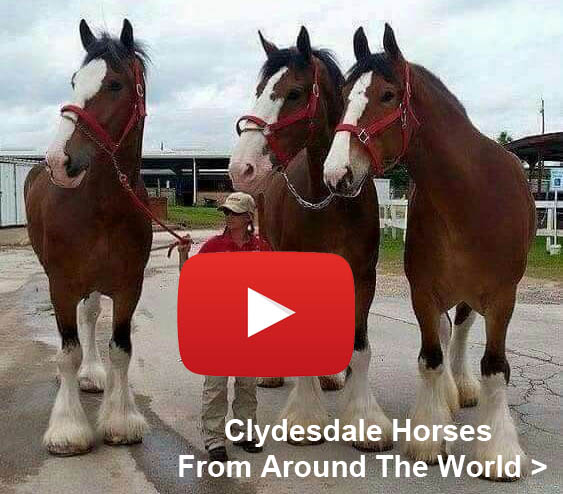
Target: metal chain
303,202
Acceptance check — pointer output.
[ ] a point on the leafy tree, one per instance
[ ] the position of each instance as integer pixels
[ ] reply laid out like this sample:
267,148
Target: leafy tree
504,138
399,179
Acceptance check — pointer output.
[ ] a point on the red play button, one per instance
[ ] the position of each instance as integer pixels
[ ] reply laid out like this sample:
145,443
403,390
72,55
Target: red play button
266,314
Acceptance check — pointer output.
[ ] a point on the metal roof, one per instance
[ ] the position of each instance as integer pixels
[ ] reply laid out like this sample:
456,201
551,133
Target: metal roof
547,147
151,154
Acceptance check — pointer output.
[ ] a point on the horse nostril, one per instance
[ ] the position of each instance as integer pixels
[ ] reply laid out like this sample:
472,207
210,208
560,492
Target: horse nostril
346,181
249,171
72,169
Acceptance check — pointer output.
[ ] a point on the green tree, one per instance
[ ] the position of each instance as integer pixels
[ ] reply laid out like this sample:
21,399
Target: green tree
399,179
504,138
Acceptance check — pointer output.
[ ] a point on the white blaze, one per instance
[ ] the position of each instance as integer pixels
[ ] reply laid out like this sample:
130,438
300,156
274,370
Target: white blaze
87,83
339,155
249,148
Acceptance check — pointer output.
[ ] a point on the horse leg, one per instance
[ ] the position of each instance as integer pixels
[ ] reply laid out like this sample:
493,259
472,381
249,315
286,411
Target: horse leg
118,419
493,405
69,432
269,382
305,407
333,382
467,384
92,375
436,394
360,401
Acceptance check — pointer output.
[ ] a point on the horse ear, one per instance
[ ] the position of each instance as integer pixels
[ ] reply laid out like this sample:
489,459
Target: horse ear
127,35
86,35
361,46
304,43
269,47
390,44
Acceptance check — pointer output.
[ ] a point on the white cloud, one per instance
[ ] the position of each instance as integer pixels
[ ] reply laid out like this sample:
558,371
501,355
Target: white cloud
499,58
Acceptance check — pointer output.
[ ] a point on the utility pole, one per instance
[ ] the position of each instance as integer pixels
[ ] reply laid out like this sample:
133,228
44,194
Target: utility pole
542,111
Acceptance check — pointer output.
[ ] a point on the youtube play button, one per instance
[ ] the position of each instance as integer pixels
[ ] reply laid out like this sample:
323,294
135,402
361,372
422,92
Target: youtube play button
266,314
263,312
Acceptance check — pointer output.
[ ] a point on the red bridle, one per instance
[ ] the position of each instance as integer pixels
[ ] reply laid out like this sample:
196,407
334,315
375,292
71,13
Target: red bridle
270,131
137,115
404,113
101,137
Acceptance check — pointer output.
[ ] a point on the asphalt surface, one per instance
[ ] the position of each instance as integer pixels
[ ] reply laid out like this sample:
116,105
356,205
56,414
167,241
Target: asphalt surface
169,397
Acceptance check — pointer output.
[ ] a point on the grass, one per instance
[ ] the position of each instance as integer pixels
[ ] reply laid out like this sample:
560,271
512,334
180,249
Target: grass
196,217
540,263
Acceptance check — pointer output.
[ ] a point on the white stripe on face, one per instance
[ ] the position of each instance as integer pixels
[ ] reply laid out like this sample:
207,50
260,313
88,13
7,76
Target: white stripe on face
339,155
249,150
87,83
267,107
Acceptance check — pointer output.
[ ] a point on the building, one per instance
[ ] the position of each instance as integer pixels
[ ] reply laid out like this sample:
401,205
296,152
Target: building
186,177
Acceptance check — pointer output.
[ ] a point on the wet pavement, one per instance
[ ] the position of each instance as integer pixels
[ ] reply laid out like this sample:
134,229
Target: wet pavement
169,397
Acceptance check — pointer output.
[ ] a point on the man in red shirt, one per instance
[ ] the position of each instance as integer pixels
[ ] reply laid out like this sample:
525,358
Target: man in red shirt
239,209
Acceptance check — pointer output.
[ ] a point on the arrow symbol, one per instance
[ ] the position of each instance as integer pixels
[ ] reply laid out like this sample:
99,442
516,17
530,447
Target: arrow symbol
264,312
541,467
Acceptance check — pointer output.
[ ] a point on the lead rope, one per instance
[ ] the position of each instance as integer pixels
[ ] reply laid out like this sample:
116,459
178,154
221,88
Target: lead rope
124,182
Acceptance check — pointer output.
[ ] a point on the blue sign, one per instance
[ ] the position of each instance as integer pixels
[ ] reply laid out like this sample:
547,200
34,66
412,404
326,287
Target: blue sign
556,182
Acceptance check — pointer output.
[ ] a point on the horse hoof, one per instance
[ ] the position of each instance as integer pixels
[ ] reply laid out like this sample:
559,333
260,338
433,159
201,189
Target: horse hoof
305,442
373,446
122,440
89,386
468,394
68,449
269,382
333,382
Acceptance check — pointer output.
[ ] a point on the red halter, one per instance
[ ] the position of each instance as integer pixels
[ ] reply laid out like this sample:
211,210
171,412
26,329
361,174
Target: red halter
270,130
102,138
403,112
137,115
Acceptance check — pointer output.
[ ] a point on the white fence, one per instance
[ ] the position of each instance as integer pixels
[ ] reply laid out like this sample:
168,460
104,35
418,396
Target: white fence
393,218
12,178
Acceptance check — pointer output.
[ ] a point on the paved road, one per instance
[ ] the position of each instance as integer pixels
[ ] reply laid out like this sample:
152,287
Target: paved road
169,396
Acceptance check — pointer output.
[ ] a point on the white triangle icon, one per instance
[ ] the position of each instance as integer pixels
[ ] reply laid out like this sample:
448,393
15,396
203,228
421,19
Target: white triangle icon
263,312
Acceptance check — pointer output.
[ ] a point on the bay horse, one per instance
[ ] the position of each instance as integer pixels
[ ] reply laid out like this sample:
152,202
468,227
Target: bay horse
471,222
90,237
298,105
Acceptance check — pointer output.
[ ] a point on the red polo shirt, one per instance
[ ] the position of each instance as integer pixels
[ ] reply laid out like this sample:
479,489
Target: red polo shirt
225,243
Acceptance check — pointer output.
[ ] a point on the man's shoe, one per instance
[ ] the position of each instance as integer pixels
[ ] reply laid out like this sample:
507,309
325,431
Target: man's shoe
218,454
249,446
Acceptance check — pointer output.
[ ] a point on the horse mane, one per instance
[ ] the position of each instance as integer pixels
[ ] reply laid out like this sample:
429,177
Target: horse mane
113,51
382,66
292,58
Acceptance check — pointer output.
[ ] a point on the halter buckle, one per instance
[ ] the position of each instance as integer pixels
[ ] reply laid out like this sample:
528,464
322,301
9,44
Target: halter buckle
363,136
403,116
266,131
316,90
140,91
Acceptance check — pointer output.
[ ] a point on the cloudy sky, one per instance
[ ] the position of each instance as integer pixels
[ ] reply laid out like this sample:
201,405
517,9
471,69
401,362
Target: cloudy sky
498,57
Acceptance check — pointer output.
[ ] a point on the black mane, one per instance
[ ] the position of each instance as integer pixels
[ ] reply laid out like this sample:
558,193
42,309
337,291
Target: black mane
292,58
381,65
113,51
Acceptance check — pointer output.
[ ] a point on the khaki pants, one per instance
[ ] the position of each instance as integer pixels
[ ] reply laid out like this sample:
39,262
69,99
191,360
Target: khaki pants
215,406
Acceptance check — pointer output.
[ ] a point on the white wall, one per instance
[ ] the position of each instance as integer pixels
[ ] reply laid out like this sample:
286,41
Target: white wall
12,206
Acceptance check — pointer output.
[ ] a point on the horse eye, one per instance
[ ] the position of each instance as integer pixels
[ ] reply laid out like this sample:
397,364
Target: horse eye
388,96
293,95
115,86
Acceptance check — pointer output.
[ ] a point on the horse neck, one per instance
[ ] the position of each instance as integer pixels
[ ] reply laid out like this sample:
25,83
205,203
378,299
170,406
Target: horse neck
319,145
434,159
104,178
